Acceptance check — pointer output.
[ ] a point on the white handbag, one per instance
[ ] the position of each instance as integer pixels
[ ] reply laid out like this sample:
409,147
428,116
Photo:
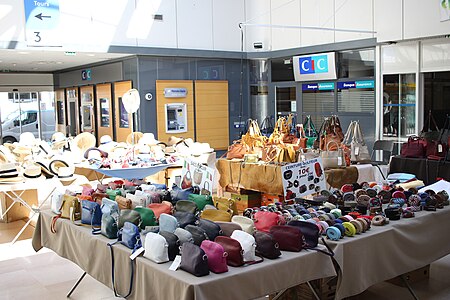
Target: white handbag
147,197
247,242
136,200
360,152
156,248
57,199
246,224
167,223
333,159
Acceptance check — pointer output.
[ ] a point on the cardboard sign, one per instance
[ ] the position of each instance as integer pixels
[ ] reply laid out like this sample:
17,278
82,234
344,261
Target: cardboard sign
197,174
303,178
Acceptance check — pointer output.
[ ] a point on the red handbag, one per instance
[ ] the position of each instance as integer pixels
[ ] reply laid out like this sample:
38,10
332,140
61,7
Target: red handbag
436,149
264,220
415,148
235,256
289,238
159,208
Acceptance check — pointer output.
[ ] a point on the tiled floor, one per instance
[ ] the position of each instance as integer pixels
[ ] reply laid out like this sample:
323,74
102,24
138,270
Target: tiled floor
25,274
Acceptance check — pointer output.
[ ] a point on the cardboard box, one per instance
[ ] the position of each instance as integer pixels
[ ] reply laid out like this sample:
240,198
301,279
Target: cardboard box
267,199
18,211
247,200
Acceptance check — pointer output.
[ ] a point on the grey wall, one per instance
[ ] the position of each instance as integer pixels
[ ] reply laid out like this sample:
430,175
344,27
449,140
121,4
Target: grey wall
99,74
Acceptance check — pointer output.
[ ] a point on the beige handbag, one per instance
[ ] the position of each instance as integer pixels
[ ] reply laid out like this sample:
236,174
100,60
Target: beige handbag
333,159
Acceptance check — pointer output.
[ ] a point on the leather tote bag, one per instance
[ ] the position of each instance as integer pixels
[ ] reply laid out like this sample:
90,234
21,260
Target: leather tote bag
266,245
414,148
217,257
194,260
156,248
332,159
359,150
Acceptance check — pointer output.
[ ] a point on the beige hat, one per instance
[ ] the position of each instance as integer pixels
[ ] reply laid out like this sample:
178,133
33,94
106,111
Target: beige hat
148,139
27,139
32,171
84,141
9,173
137,136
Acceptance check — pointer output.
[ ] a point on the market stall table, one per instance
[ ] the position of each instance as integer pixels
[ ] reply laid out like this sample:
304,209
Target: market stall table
424,169
385,252
156,281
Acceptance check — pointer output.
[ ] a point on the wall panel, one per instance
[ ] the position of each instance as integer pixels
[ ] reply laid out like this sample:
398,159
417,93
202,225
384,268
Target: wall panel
388,20
226,18
317,14
194,24
355,15
285,12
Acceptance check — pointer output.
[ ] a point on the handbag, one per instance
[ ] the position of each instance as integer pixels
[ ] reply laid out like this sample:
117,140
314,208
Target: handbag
184,236
109,206
113,193
197,177
267,126
153,196
235,256
123,202
427,132
167,223
236,150
205,189
226,204
311,234
245,223
253,139
97,197
182,194
248,244
91,213
160,208
216,215
198,234
129,236
164,195
211,228
186,206
71,208
264,220
359,150
147,217
109,225
173,244
303,140
130,216
136,201
187,180
185,218
414,148
228,227
56,202
332,159
156,248
289,238
266,245
201,200
194,260
217,257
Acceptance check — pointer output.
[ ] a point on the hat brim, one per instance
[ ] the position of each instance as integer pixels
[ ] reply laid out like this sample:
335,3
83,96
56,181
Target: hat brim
56,164
12,180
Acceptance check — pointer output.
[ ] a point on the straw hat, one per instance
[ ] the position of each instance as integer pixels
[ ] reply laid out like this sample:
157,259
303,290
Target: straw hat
104,139
56,164
45,169
137,136
27,139
58,140
148,139
32,171
65,174
9,173
173,140
84,141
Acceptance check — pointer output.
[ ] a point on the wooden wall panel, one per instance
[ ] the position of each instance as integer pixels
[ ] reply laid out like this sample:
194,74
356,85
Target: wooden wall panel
211,111
103,91
161,101
121,133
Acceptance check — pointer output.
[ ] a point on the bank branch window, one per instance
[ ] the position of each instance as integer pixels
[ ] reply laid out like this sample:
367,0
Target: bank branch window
356,96
399,105
123,114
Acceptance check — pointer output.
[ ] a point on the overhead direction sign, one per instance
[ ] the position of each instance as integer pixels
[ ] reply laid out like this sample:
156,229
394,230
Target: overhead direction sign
41,22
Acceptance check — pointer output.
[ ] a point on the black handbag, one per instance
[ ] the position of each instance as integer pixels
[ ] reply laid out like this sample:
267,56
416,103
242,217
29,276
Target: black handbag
194,260
211,228
174,244
198,234
428,133
164,195
186,205
185,218
109,226
311,235
266,246
128,215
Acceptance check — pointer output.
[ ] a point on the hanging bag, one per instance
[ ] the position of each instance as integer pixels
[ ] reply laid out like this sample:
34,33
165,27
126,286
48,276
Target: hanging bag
310,132
428,133
359,150
332,159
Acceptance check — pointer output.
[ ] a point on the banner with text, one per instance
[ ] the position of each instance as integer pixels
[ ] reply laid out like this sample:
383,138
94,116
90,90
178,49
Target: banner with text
303,178
314,67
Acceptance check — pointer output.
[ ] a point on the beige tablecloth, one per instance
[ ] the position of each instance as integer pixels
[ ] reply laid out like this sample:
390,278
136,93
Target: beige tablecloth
388,251
153,281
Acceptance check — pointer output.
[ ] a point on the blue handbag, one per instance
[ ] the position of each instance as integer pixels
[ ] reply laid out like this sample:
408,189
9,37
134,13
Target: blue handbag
91,213
109,206
129,236
183,194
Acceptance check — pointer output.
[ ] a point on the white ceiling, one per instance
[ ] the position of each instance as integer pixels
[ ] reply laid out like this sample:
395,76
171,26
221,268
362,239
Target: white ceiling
49,61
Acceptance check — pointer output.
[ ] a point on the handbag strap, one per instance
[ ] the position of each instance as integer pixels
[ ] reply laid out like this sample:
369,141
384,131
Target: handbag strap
358,136
430,119
348,135
309,125
112,273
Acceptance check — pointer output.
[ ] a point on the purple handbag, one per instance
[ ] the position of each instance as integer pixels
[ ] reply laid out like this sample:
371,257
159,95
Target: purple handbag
217,257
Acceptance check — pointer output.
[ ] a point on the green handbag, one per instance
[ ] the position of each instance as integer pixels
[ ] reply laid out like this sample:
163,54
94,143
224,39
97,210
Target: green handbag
109,226
201,200
186,206
128,215
310,142
147,216
113,193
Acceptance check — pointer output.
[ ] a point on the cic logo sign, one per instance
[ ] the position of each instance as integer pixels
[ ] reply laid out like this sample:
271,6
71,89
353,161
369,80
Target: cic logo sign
313,64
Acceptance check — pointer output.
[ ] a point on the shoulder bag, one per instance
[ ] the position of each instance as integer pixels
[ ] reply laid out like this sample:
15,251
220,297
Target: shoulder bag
266,245
194,260
211,228
128,215
167,223
184,236
248,245
245,223
217,257
173,244
289,238
228,227
160,208
147,217
198,234
185,218
156,248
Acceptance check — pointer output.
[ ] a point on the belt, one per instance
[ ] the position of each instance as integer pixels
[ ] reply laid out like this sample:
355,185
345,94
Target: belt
333,233
350,229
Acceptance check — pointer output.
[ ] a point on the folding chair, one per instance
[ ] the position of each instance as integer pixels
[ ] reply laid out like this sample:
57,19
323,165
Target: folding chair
387,147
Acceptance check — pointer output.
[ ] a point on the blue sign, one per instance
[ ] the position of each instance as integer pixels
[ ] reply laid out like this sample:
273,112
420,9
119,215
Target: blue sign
313,64
323,86
364,84
86,74
41,15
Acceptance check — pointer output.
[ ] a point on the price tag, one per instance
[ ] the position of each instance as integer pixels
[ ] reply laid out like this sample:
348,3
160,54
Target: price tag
136,253
440,148
356,151
176,263
339,161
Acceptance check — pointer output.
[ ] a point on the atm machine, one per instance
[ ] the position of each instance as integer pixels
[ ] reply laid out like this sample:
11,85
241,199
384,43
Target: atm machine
176,117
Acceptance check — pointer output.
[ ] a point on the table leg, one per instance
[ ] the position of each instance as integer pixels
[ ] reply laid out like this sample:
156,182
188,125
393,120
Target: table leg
76,285
408,286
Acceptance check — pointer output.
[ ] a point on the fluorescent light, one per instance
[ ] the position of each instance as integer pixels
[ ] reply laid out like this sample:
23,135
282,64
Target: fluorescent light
70,53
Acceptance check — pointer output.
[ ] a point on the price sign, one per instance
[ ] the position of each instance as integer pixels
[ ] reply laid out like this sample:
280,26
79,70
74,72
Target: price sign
41,22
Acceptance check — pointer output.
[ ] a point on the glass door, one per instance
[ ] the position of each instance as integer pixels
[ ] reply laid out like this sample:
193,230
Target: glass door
399,106
285,100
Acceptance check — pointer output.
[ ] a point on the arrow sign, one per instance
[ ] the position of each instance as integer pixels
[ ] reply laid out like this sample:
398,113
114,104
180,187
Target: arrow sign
40,16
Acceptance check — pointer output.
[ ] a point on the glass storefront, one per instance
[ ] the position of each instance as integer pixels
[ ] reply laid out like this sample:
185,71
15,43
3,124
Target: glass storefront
436,96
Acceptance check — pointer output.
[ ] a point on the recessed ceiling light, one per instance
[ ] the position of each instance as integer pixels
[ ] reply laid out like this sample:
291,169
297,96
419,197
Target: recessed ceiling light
14,64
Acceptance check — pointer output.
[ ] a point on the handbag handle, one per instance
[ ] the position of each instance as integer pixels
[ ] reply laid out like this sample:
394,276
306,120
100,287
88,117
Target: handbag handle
328,144
348,135
309,126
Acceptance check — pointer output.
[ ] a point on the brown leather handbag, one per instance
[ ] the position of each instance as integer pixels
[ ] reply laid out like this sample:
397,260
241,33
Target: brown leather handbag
289,238
123,202
236,150
216,215
235,256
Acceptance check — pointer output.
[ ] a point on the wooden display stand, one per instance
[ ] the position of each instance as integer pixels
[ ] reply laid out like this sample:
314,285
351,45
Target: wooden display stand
18,211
